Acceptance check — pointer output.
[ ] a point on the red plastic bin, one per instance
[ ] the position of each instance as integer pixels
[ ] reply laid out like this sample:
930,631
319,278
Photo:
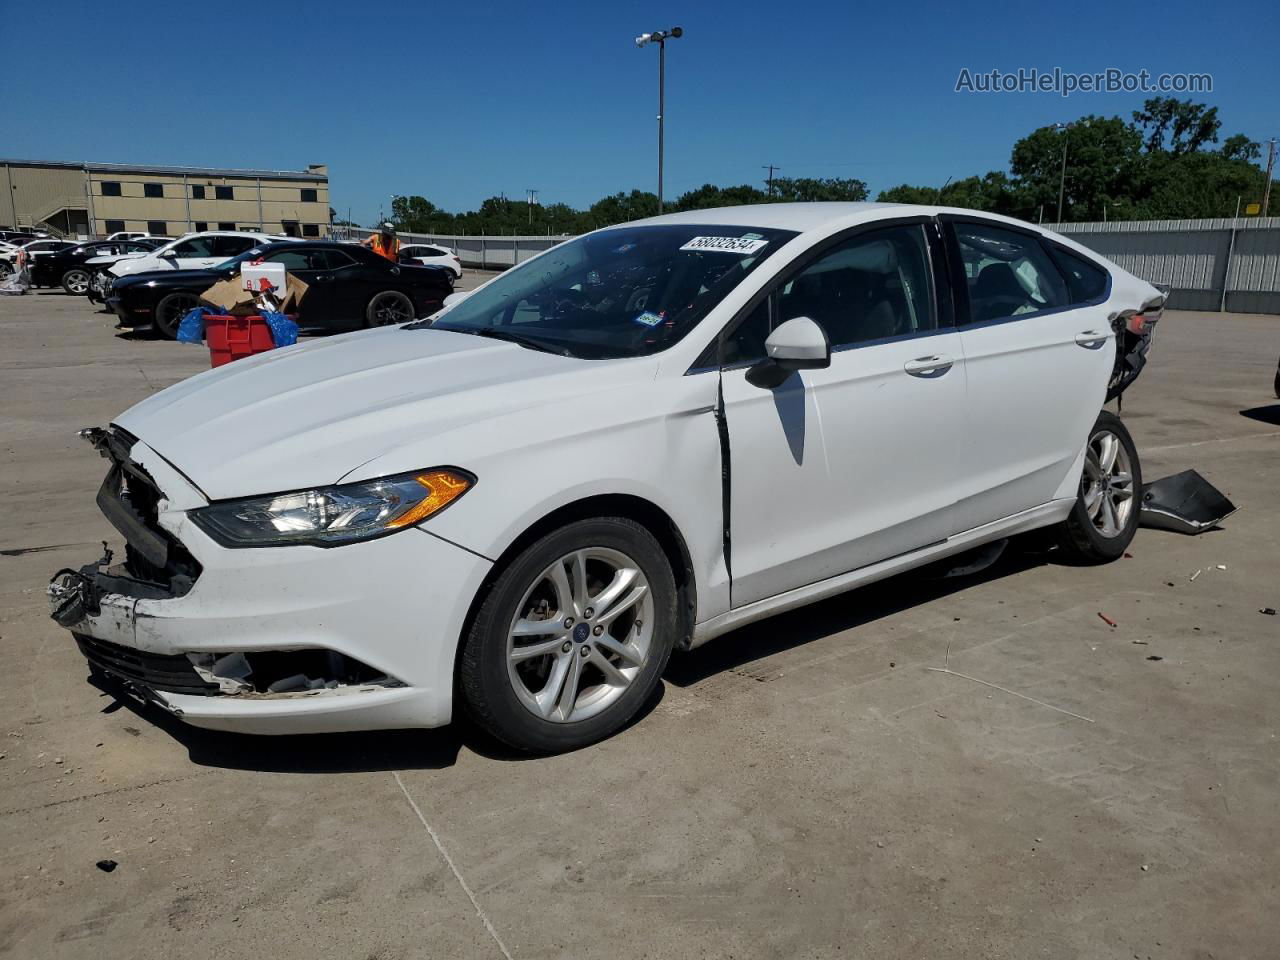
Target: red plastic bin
231,338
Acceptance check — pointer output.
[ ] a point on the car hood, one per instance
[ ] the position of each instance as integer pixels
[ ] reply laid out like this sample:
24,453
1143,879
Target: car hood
307,415
141,263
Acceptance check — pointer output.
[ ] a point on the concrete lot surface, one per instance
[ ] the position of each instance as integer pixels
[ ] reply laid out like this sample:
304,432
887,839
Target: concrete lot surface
803,788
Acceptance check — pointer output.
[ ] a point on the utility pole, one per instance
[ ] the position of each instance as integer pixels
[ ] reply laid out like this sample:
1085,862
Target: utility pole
1062,179
770,167
1271,162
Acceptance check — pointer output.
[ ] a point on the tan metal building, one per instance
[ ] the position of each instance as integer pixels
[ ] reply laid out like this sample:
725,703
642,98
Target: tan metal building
97,199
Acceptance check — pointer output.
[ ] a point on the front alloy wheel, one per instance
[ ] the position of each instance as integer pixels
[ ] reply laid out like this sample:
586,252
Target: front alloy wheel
572,636
389,308
580,635
76,282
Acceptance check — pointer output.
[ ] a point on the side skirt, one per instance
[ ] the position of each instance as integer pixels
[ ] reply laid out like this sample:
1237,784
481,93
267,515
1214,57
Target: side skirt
1041,516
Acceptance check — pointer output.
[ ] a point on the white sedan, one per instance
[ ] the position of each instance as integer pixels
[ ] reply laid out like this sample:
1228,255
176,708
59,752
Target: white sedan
625,446
433,256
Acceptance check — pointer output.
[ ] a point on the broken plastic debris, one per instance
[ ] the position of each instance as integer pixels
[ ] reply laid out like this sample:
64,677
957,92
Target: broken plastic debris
297,682
1107,620
1154,657
1269,611
1196,574
1185,502
106,866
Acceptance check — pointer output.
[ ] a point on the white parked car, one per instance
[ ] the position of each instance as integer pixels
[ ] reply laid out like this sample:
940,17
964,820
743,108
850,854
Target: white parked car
628,445
192,251
29,251
432,255
128,235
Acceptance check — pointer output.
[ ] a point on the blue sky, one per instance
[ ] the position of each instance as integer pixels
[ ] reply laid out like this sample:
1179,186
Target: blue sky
460,101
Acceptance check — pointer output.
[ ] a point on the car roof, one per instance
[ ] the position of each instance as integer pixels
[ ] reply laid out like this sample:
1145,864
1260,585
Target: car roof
803,217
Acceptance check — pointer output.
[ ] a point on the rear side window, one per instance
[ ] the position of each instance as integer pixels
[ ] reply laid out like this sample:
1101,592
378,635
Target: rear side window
1008,273
292,259
331,260
196,247
1086,281
232,246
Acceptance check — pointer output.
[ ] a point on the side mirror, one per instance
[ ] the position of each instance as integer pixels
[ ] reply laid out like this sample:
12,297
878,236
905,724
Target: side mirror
798,344
458,297
170,254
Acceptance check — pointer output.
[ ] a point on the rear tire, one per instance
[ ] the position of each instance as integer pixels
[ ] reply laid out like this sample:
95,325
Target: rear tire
76,282
170,311
388,308
1104,519
611,623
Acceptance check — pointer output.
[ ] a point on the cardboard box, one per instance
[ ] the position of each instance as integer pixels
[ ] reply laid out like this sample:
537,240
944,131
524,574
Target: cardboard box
230,296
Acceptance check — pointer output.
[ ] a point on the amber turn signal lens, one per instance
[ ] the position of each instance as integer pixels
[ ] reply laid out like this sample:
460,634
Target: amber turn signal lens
444,486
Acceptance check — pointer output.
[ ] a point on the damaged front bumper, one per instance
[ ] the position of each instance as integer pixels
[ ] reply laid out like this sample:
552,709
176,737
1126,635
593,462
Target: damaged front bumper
277,640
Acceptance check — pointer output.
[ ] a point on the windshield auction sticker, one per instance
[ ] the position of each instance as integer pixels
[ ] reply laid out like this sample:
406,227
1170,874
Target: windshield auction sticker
742,245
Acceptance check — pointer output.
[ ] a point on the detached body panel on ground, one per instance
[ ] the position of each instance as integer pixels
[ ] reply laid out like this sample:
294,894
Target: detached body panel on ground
661,378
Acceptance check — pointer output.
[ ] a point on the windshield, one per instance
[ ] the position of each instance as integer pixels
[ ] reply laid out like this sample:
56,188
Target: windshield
624,292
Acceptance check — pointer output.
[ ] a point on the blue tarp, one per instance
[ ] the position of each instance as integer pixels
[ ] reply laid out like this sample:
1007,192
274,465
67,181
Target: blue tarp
284,331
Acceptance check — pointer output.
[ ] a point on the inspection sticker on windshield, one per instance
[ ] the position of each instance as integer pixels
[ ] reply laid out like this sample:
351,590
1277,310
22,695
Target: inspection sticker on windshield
744,245
649,319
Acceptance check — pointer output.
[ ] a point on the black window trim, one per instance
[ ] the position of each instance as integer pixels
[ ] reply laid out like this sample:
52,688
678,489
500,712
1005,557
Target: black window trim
1054,246
960,287
708,360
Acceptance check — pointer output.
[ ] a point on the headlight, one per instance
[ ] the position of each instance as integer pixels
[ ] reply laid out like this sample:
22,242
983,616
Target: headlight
328,516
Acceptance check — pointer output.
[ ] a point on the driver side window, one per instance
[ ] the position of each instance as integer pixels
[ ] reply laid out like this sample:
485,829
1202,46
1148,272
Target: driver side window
873,286
195,247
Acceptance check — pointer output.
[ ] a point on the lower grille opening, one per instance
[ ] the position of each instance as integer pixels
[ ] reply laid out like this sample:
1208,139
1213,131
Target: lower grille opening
286,671
170,673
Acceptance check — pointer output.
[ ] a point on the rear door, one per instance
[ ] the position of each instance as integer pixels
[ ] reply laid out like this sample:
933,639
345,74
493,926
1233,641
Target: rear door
1037,362
194,253
839,468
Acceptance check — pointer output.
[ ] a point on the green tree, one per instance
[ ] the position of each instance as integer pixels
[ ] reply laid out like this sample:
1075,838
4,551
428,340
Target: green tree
809,189
1176,126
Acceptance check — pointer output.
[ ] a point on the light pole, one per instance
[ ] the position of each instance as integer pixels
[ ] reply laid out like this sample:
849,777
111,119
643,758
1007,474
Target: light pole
660,37
1062,178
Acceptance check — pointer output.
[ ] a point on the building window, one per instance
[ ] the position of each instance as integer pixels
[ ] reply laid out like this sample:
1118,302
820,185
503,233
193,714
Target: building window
110,188
226,226
290,227
309,196
223,193
113,226
155,190
157,228
201,226
197,191
311,229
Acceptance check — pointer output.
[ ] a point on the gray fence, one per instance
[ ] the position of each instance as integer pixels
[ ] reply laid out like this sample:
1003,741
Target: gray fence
1223,264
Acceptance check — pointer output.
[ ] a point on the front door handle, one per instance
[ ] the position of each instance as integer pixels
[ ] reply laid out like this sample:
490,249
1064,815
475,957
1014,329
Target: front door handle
1091,339
928,368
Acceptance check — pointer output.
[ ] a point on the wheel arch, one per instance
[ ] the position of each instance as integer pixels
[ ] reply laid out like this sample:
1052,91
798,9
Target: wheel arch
644,512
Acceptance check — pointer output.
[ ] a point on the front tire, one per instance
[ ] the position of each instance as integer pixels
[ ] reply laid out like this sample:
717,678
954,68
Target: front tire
1104,519
76,282
572,637
170,311
388,308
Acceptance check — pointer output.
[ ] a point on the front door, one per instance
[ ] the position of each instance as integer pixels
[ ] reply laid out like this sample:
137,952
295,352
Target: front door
1037,364
839,468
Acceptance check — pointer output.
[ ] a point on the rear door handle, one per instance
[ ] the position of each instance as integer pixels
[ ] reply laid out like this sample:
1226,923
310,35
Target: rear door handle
928,368
1091,339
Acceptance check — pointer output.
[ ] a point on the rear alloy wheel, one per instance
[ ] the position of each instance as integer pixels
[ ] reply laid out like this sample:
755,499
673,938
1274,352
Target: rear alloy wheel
1105,516
6,268
170,311
388,308
572,637
76,282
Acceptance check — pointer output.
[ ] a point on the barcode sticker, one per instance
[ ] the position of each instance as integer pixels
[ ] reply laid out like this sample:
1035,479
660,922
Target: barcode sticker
742,245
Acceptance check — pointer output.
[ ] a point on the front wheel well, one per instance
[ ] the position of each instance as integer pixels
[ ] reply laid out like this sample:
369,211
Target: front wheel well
644,512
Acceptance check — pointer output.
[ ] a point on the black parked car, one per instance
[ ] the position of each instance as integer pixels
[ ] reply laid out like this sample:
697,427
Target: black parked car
67,267
348,286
